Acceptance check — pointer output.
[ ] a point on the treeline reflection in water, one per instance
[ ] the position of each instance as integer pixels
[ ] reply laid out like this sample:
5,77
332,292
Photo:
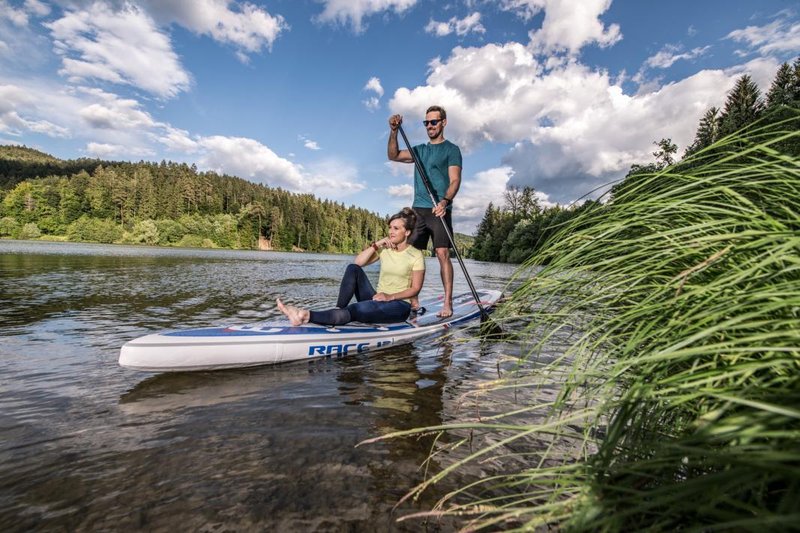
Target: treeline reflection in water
86,445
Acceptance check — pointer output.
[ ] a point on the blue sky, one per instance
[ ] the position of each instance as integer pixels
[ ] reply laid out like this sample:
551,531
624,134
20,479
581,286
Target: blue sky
560,95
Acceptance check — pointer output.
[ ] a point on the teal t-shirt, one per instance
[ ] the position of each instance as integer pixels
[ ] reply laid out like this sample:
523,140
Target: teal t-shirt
435,159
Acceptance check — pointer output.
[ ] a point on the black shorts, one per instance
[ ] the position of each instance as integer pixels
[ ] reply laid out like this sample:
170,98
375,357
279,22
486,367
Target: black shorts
429,225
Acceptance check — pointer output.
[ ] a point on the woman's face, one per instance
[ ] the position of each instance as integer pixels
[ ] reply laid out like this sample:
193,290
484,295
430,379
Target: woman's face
397,231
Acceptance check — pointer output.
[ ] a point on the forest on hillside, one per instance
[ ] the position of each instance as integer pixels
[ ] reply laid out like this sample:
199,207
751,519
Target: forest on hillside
170,204
520,227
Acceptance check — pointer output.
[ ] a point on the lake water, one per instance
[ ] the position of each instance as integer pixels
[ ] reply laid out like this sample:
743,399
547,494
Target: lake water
87,445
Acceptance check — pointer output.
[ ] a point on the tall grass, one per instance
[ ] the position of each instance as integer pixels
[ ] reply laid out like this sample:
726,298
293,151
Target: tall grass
678,308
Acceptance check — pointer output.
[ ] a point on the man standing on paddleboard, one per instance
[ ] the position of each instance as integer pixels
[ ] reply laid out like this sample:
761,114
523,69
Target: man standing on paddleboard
441,160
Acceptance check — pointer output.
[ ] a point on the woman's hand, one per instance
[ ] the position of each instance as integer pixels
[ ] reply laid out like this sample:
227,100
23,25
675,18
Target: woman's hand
382,297
385,243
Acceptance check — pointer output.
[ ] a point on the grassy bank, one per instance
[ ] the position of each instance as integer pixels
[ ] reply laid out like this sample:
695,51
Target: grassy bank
677,312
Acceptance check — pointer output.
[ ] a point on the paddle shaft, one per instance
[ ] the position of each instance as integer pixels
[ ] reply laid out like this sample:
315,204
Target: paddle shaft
432,194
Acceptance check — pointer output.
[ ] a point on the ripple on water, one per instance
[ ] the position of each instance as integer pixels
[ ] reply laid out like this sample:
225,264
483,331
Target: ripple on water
86,445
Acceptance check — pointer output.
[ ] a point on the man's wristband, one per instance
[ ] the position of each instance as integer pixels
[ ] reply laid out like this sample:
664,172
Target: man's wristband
448,200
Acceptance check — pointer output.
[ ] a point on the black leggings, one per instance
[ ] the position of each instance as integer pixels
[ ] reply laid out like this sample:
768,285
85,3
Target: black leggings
365,309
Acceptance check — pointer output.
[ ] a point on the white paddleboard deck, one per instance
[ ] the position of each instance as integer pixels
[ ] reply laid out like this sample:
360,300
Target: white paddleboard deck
269,343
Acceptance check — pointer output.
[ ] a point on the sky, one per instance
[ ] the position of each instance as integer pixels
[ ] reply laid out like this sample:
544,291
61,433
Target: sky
560,95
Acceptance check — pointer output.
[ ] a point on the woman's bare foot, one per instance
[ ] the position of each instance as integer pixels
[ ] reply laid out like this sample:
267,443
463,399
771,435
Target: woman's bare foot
296,316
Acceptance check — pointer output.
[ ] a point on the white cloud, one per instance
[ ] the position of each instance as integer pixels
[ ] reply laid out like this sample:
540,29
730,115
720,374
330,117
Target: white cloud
308,143
353,12
11,96
14,124
526,9
404,191
116,127
372,103
244,25
374,86
476,86
98,116
249,159
177,140
567,26
110,112
20,45
762,70
477,192
475,195
469,24
395,197
106,151
779,36
119,46
572,128
331,177
17,114
669,54
17,17
405,170
36,7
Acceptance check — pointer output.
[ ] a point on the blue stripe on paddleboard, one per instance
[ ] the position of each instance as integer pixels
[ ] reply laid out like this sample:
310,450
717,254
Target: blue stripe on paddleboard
278,330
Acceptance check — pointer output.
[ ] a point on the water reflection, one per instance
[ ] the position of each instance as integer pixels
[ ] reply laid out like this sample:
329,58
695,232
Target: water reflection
86,445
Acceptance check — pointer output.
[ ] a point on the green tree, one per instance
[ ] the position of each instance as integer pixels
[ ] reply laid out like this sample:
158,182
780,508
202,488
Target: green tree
8,227
70,205
250,213
98,194
743,106
782,90
192,202
783,106
87,229
170,231
29,231
145,232
665,153
707,132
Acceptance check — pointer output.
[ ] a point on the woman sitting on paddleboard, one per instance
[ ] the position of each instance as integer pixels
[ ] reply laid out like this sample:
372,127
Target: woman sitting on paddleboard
401,277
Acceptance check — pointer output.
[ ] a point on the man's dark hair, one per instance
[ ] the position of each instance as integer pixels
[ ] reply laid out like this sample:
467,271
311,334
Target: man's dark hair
440,109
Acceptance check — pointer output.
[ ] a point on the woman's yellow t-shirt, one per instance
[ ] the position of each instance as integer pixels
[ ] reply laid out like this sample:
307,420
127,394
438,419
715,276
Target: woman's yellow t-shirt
396,269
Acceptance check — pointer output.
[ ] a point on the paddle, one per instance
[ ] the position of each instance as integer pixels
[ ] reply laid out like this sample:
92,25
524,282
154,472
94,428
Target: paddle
487,326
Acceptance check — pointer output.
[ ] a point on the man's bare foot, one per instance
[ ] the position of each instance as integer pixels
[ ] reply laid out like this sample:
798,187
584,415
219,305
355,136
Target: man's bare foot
446,312
296,316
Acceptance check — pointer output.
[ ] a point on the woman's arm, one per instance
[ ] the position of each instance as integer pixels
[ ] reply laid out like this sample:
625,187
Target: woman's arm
370,254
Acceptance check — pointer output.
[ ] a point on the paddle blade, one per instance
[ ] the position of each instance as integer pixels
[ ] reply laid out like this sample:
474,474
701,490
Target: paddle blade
489,328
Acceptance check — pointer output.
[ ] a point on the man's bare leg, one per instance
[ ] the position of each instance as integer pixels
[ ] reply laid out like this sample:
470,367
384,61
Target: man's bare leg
446,271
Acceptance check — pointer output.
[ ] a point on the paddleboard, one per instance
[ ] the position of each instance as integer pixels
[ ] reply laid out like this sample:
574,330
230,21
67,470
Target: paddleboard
268,343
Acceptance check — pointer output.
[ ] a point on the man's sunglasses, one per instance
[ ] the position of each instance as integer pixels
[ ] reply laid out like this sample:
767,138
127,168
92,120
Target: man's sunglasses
434,122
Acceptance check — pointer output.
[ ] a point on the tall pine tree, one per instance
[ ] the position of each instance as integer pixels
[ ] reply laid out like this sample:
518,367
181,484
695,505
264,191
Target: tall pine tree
781,92
707,131
783,105
744,106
